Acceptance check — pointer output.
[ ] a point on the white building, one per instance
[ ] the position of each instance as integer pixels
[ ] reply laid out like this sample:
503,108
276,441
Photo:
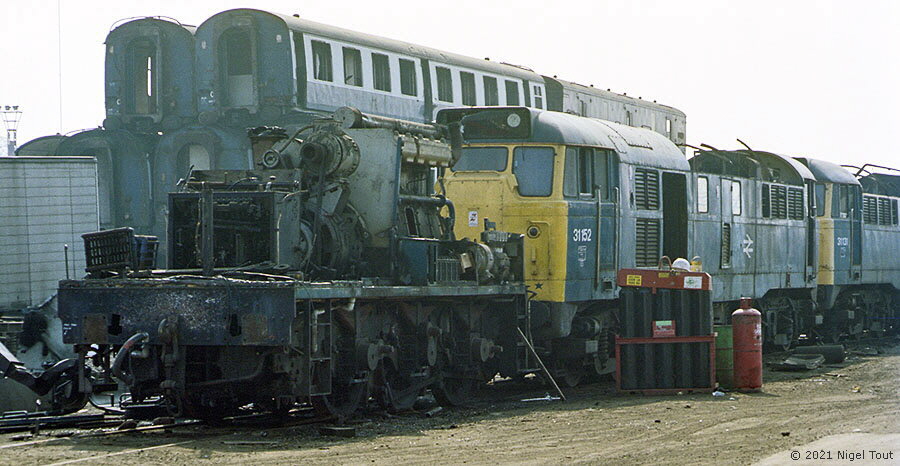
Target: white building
45,203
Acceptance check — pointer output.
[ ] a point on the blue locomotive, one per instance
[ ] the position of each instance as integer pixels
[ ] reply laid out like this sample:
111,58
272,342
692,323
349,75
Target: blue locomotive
592,197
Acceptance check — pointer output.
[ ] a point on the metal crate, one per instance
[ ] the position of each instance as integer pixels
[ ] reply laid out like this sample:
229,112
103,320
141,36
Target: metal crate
666,365
109,249
665,342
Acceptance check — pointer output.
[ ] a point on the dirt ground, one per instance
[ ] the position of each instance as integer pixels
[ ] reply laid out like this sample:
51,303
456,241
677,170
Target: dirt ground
826,409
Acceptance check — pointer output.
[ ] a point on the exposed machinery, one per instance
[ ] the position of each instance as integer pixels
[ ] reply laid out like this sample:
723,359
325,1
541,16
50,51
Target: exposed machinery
325,274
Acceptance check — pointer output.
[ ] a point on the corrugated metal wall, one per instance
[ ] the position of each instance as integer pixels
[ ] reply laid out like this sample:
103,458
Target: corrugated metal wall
45,202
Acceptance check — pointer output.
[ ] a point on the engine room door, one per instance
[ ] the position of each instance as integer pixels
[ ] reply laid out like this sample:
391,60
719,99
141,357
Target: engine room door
675,218
727,224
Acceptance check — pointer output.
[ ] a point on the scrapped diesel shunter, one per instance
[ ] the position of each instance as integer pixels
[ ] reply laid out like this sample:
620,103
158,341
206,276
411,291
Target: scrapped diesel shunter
327,274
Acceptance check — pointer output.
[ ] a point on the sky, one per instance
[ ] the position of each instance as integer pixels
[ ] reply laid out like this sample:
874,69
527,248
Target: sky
814,78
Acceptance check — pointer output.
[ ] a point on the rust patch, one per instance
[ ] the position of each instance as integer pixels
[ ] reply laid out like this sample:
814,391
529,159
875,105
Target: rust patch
254,329
96,329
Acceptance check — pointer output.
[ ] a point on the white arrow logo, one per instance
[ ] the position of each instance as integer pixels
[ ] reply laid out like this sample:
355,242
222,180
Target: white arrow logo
748,245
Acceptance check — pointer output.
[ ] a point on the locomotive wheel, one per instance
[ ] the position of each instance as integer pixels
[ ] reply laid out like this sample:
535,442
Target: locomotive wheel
454,391
572,374
455,385
349,382
393,391
568,373
345,399
833,335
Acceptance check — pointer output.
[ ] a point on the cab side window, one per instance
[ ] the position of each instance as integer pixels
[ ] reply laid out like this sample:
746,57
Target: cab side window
587,172
603,177
820,200
841,198
533,169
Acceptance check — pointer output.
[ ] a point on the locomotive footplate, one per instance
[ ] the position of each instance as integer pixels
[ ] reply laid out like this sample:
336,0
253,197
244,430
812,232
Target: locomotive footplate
207,345
219,312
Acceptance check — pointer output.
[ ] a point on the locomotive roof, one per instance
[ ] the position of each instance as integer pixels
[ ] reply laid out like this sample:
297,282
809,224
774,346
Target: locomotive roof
636,146
609,95
828,172
44,145
767,166
382,43
155,21
881,183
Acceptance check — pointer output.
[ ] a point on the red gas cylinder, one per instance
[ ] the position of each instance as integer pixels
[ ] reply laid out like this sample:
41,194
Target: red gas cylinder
746,323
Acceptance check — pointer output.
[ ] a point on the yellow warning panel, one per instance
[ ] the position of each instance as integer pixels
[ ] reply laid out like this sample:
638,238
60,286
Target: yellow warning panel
634,280
664,275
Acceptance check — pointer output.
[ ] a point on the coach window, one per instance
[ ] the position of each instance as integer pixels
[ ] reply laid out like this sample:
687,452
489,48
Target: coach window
239,87
702,194
467,85
381,72
736,198
491,95
444,84
482,159
143,77
408,77
533,169
512,93
352,67
668,128
322,61
538,97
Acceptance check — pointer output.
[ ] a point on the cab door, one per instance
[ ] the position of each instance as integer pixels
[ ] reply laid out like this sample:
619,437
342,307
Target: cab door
812,205
855,233
726,225
675,217
581,191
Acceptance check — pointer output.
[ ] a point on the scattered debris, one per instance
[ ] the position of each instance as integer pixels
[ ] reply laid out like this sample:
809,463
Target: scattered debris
834,374
22,437
856,389
338,431
127,424
718,393
546,397
249,442
433,412
832,353
800,362
785,434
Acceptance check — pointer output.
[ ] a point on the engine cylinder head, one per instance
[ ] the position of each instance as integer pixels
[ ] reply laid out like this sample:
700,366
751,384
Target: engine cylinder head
330,151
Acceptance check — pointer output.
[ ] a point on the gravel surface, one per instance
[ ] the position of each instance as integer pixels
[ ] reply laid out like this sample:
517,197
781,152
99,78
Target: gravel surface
795,410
